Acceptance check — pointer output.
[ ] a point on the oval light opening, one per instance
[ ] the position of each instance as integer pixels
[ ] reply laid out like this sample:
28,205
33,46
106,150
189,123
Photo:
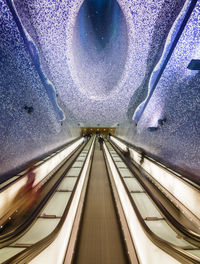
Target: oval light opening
100,44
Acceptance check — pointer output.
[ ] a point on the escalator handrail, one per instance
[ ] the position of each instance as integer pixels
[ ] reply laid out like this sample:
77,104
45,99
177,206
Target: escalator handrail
185,178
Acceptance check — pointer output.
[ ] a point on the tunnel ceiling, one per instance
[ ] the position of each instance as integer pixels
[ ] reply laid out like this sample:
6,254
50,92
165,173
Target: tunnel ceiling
86,61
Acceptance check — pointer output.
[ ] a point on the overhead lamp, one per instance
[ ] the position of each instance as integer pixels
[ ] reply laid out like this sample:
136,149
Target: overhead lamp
151,129
29,109
194,65
160,124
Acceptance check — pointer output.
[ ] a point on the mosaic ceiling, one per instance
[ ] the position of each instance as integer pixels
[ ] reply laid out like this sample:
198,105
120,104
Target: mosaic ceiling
94,54
97,63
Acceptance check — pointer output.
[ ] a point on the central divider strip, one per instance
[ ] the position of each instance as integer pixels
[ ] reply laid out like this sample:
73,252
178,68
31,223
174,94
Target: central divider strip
99,239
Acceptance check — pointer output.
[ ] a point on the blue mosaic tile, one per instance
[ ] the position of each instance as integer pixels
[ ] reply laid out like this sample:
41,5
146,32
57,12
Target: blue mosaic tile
65,63
177,99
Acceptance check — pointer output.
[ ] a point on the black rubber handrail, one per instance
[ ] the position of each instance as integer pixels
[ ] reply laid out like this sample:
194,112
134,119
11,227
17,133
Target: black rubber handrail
136,260
161,165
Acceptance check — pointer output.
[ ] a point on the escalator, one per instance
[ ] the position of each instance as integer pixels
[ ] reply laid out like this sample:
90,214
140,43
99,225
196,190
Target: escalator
169,194
57,194
154,223
17,207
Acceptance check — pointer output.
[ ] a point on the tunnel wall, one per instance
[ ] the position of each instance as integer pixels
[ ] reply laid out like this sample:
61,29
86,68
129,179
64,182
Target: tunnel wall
32,118
18,153
169,128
